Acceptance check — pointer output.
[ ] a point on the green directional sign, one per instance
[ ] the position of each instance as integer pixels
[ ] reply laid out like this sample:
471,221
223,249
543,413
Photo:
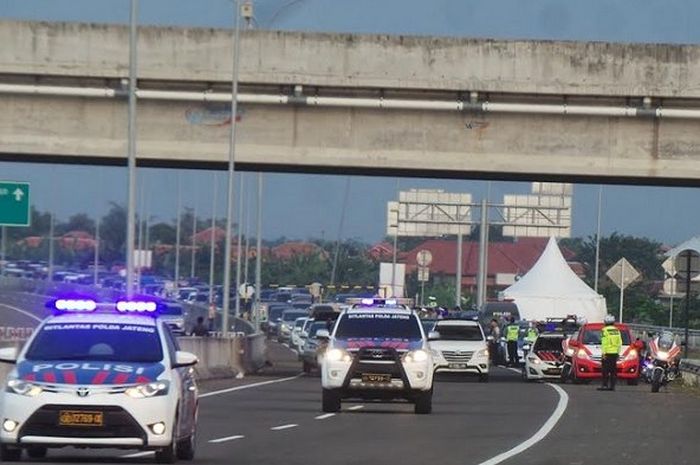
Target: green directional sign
14,203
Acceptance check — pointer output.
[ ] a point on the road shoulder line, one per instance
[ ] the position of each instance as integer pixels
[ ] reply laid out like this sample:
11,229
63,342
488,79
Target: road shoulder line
23,312
249,386
542,433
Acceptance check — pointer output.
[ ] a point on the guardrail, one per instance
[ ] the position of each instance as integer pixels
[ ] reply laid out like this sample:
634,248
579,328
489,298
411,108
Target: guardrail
693,334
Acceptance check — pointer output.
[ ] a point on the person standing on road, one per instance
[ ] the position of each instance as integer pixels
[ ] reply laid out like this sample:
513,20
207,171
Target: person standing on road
495,334
610,344
211,315
512,331
199,329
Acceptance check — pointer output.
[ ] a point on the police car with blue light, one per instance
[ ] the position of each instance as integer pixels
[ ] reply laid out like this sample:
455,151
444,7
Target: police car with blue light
98,375
378,351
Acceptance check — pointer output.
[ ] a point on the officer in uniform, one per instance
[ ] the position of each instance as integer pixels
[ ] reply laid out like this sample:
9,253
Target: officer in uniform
512,331
610,344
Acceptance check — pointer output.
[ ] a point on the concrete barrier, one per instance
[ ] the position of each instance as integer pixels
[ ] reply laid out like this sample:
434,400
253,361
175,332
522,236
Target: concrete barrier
690,371
218,357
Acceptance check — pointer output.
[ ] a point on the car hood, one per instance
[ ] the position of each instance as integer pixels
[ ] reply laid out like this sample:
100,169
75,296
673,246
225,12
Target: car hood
597,351
467,346
398,344
89,372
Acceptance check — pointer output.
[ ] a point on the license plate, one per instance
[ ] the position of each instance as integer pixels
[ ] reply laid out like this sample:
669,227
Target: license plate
80,418
457,366
375,378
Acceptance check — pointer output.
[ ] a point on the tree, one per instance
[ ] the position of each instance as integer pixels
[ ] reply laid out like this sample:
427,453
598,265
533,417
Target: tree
113,234
78,222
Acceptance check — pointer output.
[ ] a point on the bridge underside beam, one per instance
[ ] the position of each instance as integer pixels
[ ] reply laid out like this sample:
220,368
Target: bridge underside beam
357,140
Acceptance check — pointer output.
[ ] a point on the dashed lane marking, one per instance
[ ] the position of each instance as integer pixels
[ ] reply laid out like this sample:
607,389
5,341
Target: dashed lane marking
138,454
226,439
249,386
283,427
324,416
356,407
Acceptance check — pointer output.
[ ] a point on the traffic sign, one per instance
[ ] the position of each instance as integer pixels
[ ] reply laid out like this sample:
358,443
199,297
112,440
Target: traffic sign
14,203
423,273
424,258
687,262
623,273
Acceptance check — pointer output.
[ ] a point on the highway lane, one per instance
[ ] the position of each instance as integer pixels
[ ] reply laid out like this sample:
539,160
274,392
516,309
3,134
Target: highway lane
282,423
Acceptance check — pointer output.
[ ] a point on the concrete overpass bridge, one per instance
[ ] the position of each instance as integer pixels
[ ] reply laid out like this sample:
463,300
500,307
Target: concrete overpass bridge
366,104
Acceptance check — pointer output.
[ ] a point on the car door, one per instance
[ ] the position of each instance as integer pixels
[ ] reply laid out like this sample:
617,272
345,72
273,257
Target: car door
188,388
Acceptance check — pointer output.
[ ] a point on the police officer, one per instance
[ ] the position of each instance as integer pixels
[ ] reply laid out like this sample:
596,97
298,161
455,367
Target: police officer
512,331
610,344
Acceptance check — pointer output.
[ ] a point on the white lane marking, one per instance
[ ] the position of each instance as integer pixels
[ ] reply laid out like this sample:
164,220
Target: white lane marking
281,427
138,454
356,407
324,416
226,439
249,386
541,433
23,312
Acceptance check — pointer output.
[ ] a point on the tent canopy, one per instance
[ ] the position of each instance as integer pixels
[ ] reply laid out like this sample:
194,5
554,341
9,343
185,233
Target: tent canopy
552,289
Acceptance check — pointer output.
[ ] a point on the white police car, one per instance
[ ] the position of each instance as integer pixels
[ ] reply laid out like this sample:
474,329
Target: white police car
103,376
377,351
545,359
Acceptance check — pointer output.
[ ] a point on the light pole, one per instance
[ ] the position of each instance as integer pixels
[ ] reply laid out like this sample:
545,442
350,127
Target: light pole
176,276
231,167
96,258
597,239
239,254
258,255
131,172
212,241
194,233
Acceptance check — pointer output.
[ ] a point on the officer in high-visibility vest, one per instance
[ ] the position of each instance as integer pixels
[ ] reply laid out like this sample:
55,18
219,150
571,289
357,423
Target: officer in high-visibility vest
610,344
512,331
531,334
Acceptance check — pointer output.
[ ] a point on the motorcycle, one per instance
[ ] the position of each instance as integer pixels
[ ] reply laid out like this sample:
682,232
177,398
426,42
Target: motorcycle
665,356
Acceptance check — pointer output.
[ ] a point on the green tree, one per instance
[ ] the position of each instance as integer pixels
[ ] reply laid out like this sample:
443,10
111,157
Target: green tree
113,235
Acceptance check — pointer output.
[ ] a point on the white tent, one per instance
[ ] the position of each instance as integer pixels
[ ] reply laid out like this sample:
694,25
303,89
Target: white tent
552,289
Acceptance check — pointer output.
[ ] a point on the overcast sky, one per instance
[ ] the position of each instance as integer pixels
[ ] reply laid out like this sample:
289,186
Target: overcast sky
303,206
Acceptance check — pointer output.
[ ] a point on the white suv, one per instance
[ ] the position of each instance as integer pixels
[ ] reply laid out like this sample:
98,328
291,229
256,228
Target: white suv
459,346
377,352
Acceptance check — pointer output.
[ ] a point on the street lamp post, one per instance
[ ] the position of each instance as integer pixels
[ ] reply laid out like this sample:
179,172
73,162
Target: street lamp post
131,152
231,168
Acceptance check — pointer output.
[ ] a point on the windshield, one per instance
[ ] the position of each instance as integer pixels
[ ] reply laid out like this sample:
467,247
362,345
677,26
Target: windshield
459,332
666,340
316,326
276,312
291,316
548,344
592,337
378,325
97,341
299,323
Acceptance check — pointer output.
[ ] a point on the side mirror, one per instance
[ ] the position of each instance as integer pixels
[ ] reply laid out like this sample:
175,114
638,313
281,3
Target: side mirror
184,359
304,334
9,355
433,335
526,347
489,338
323,334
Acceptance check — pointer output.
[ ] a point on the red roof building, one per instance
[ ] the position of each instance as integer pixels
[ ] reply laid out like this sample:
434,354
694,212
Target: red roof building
506,260
290,249
381,251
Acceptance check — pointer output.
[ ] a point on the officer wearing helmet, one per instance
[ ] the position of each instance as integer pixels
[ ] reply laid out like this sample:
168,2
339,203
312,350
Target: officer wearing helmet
610,344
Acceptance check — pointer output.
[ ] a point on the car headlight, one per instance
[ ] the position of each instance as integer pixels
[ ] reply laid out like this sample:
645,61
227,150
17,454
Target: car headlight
582,354
534,360
338,355
416,356
483,353
631,355
23,388
142,391
570,351
662,355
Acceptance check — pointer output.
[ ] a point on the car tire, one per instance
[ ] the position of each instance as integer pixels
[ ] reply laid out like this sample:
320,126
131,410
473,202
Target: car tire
37,452
168,454
330,401
10,454
186,447
484,378
423,404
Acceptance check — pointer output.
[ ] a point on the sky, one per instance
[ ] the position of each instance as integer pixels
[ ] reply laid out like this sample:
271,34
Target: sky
302,206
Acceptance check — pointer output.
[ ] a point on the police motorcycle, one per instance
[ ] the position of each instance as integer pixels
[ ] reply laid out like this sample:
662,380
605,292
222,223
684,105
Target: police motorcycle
665,355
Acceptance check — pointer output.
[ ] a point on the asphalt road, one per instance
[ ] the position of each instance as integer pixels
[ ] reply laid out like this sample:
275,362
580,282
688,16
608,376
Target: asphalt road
276,418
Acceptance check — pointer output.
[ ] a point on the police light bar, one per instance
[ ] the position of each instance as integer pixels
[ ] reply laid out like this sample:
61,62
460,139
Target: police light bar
379,301
75,305
136,306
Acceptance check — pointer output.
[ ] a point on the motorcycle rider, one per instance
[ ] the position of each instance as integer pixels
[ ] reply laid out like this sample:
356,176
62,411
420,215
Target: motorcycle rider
610,344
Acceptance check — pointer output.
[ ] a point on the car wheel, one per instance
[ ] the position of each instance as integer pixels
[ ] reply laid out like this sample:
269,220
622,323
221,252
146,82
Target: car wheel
10,454
168,454
330,401
424,403
484,378
37,452
186,447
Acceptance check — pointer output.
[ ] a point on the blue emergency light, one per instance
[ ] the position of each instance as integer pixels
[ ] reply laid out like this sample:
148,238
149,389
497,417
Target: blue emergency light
75,305
136,306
